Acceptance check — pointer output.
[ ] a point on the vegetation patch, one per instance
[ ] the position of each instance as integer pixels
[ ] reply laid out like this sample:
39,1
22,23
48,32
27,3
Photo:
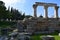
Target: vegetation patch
38,37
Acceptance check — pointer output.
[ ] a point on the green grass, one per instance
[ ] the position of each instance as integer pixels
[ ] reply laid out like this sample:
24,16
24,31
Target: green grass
57,37
38,37
35,37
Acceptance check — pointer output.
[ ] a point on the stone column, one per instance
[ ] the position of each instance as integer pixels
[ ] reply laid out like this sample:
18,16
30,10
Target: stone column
56,12
35,9
46,11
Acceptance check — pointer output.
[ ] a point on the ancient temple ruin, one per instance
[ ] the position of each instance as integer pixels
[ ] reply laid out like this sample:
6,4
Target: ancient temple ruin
40,24
46,6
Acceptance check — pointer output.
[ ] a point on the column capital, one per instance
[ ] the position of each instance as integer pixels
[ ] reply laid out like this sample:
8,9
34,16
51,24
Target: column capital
56,7
34,6
45,7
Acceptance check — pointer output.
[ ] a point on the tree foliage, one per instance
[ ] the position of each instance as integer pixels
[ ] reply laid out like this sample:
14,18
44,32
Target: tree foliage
10,13
2,9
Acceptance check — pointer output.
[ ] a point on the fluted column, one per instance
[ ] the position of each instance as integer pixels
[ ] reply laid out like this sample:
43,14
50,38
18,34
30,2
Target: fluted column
46,11
56,12
35,9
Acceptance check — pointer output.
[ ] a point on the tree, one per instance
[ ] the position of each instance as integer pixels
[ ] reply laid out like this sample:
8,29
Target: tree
11,14
15,14
2,6
2,9
23,16
28,16
41,16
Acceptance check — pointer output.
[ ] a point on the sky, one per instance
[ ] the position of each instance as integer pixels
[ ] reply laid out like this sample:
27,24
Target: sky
26,6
